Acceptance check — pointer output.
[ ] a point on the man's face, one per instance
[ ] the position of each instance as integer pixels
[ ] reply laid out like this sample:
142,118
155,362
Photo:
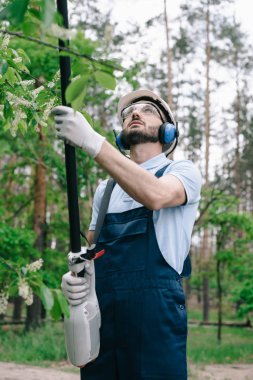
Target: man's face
141,122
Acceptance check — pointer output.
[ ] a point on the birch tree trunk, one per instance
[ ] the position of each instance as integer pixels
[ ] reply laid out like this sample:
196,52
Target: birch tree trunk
169,58
238,132
205,245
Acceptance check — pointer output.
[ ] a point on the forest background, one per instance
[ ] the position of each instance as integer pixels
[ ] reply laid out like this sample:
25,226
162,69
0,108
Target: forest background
203,68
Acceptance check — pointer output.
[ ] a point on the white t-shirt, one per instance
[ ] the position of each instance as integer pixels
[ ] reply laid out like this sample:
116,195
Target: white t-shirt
173,225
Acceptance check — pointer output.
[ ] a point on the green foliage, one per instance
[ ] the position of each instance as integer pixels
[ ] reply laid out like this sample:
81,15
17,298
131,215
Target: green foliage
234,234
30,88
236,346
39,347
23,105
46,297
106,80
32,106
202,345
14,11
75,92
19,276
241,270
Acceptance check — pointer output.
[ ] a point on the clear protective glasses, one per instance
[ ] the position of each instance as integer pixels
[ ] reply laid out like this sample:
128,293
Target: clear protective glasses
144,108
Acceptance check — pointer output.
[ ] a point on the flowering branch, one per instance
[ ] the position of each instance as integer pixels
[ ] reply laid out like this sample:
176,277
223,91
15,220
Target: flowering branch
62,48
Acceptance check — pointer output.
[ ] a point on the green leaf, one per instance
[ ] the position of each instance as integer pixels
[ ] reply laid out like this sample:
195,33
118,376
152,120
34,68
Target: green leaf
11,76
7,126
29,28
106,80
48,12
46,297
14,12
5,148
78,103
81,67
75,89
23,55
63,303
88,118
4,67
8,110
22,126
56,312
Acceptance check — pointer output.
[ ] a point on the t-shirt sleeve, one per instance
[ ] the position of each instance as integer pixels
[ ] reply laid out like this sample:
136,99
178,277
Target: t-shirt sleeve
190,177
96,204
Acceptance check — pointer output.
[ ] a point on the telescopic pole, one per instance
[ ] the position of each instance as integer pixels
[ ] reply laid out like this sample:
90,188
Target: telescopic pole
70,156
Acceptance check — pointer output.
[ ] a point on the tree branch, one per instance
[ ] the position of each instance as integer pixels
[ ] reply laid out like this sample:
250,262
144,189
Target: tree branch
19,210
62,48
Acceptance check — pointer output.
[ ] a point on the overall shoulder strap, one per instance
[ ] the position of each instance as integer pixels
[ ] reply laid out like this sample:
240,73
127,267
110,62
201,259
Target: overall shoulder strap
103,208
160,172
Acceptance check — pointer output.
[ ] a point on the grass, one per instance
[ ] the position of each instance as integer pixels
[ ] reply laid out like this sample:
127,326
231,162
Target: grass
236,345
46,346
195,313
40,347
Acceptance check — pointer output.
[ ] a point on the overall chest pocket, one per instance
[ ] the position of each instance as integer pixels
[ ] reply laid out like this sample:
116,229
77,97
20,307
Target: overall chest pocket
125,244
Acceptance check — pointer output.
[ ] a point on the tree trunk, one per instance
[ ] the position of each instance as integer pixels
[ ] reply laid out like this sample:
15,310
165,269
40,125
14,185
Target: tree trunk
219,296
169,58
238,132
206,250
33,318
169,65
17,308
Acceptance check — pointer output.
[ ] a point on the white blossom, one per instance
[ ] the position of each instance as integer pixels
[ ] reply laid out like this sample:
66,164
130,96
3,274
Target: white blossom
57,76
48,109
17,60
18,116
60,32
18,101
4,296
29,299
25,291
36,265
50,84
26,83
36,92
23,288
5,42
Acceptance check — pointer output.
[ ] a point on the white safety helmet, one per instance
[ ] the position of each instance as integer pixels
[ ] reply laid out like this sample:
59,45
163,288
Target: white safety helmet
149,96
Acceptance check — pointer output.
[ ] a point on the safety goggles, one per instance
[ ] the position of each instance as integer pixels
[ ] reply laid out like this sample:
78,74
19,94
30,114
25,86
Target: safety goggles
143,108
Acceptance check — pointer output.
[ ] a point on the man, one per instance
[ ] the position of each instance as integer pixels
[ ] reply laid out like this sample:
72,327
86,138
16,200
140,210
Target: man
146,236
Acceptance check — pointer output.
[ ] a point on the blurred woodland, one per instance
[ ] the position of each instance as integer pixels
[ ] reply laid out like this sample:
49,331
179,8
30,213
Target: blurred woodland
204,71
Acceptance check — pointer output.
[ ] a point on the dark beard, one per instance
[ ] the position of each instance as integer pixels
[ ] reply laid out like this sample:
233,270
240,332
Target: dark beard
135,137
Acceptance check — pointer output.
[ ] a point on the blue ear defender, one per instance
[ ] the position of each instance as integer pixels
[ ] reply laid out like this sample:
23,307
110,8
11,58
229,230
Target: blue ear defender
168,133
120,142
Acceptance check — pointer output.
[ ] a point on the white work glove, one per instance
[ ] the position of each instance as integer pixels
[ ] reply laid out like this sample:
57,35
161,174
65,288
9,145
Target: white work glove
72,127
74,288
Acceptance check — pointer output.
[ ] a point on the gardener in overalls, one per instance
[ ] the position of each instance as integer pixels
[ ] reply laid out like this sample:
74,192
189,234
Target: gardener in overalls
146,236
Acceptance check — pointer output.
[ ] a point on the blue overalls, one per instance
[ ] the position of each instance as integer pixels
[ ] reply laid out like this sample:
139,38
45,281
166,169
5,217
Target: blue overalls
144,323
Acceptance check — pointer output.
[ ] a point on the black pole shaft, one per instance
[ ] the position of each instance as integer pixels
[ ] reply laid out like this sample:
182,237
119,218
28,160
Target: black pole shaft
70,157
